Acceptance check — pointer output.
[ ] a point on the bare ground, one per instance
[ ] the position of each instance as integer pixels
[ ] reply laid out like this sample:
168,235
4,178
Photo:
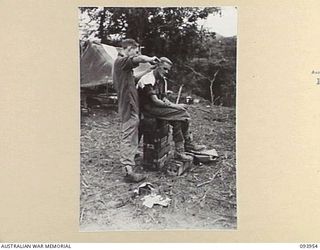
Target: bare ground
107,201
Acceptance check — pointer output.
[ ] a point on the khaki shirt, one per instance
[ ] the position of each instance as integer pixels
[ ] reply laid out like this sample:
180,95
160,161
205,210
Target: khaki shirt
123,79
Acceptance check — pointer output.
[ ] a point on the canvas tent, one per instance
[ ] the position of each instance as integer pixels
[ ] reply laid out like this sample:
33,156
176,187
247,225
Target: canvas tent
96,63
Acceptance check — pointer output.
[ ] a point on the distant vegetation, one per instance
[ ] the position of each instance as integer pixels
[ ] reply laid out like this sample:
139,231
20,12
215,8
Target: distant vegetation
201,58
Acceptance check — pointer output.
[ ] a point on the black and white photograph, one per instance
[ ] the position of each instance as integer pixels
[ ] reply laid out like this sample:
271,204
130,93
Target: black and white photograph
158,118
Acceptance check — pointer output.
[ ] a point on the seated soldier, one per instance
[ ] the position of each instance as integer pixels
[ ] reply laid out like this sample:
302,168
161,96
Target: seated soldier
153,102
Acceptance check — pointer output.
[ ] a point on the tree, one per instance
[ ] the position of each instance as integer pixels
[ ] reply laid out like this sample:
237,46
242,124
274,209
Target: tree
175,33
171,31
88,24
210,80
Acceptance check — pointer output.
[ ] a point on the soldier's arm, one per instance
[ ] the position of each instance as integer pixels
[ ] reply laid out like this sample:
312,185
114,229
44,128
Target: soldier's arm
164,104
145,59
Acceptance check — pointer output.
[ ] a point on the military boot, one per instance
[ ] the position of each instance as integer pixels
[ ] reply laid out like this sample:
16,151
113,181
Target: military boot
180,154
190,146
131,176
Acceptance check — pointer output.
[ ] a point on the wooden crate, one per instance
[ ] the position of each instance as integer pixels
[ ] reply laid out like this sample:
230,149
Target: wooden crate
151,136
149,153
175,167
156,144
157,164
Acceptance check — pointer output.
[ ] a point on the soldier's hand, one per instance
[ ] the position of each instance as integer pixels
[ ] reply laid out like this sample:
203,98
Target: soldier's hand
154,60
184,106
180,106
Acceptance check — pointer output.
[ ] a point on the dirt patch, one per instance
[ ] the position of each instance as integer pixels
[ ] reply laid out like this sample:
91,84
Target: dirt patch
108,203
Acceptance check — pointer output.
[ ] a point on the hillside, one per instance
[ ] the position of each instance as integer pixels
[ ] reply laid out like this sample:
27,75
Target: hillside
108,203
217,53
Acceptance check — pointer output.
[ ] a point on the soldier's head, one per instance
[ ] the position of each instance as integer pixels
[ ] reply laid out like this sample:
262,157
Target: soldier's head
130,47
164,66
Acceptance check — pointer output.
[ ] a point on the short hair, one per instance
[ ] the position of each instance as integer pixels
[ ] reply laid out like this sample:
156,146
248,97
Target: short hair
165,60
129,43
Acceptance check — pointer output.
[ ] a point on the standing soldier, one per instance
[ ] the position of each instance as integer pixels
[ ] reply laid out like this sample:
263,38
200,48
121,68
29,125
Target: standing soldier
124,82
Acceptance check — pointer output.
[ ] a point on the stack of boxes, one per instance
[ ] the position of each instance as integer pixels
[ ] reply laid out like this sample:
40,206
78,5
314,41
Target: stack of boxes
156,143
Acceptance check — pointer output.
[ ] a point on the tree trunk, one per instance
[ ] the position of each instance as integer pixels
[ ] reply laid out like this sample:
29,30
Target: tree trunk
211,86
211,91
101,25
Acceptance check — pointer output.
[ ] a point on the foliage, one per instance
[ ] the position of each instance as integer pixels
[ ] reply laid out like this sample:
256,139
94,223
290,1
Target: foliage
88,24
175,33
220,54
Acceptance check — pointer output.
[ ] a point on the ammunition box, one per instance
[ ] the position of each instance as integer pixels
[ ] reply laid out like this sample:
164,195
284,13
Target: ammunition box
156,143
157,164
156,153
177,168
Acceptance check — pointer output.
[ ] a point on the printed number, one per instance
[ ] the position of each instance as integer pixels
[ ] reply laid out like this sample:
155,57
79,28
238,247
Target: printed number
308,245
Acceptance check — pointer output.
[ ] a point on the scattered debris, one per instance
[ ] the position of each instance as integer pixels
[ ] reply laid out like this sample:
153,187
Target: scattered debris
109,203
144,189
189,100
155,199
81,214
84,181
196,101
211,180
204,156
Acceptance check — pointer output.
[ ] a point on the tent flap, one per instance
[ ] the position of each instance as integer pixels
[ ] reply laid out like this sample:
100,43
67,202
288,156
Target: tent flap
96,64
